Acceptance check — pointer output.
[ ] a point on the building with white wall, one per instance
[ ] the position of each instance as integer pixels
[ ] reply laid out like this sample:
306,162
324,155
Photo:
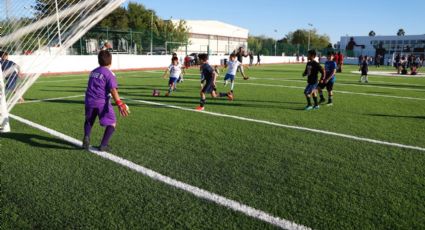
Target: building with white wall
213,37
384,45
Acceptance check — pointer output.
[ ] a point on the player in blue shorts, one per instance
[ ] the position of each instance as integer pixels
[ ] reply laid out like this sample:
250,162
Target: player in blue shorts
329,79
102,83
312,70
175,71
232,67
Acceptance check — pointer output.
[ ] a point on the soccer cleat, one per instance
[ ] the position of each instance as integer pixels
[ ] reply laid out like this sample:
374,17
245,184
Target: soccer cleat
316,107
366,81
246,78
167,94
308,107
322,100
200,108
230,96
86,143
106,148
329,104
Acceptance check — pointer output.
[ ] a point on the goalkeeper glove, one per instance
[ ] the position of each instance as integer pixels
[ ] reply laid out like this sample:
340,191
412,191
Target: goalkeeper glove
123,108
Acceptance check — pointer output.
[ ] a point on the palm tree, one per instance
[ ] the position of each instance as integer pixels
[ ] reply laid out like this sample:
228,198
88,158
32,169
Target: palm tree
400,32
372,33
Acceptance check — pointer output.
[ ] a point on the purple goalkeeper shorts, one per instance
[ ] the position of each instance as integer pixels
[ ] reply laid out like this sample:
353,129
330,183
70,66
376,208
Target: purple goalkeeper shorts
105,113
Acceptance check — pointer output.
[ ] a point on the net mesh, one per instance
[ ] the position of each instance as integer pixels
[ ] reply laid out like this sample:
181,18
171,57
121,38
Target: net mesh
34,32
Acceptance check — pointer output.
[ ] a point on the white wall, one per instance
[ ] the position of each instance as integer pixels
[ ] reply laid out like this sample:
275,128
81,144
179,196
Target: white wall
73,63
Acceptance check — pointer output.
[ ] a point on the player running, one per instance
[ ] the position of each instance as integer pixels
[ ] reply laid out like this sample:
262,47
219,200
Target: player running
328,80
240,55
312,70
102,83
232,66
176,71
209,86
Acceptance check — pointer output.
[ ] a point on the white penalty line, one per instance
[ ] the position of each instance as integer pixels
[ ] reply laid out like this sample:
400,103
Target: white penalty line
198,192
287,126
52,99
336,91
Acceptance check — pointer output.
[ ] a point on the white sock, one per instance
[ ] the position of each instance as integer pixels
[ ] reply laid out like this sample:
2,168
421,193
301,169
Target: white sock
232,85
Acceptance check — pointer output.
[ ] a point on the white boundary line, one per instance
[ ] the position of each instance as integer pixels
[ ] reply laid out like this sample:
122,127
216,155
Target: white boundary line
256,121
391,74
336,91
352,137
198,192
345,84
51,99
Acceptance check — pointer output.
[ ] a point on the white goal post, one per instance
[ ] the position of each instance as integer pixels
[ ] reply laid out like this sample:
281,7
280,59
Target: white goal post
43,30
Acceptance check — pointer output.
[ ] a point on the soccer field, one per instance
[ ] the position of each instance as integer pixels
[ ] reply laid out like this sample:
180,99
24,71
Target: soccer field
356,165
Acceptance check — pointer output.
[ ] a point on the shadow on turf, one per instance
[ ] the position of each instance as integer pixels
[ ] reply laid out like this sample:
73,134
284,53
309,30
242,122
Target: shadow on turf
194,102
39,141
396,116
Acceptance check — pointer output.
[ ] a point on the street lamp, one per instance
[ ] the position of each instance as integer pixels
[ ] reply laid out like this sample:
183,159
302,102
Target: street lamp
309,35
151,32
275,43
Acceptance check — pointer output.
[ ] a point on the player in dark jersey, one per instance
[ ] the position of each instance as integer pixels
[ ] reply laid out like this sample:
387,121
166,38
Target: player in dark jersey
312,70
240,55
11,73
329,79
364,68
209,76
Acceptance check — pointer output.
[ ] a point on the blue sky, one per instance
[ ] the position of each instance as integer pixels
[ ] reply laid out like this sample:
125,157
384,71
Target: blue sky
332,17
335,18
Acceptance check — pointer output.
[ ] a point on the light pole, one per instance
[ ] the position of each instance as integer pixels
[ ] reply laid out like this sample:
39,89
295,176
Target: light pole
151,32
309,35
275,43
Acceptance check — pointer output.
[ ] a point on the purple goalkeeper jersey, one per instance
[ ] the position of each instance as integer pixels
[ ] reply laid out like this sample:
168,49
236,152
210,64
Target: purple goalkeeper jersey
101,81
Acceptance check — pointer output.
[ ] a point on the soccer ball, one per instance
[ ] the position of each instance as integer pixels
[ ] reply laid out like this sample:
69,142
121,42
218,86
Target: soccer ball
156,93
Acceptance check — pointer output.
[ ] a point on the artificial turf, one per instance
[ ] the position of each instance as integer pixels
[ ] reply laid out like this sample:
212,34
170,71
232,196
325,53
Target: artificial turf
317,180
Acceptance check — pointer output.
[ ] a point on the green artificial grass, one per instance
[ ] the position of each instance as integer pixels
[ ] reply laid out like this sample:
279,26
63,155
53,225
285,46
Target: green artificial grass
313,179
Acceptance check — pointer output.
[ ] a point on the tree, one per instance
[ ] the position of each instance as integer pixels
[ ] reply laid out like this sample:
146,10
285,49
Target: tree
142,22
372,33
301,36
400,32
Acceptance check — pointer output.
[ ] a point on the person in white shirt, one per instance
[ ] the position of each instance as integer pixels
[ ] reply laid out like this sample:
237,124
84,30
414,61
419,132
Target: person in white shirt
175,70
232,67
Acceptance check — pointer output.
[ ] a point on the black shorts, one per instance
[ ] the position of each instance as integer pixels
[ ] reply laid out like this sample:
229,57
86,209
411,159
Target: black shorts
208,87
329,86
364,73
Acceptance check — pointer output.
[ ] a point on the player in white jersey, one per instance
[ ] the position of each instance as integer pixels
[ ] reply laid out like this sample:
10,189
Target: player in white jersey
176,71
232,67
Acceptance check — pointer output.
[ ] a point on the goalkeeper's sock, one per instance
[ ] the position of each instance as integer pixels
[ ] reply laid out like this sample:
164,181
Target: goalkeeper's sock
87,128
321,96
223,94
107,135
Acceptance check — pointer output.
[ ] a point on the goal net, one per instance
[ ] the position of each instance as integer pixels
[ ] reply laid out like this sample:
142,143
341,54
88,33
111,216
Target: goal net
33,33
